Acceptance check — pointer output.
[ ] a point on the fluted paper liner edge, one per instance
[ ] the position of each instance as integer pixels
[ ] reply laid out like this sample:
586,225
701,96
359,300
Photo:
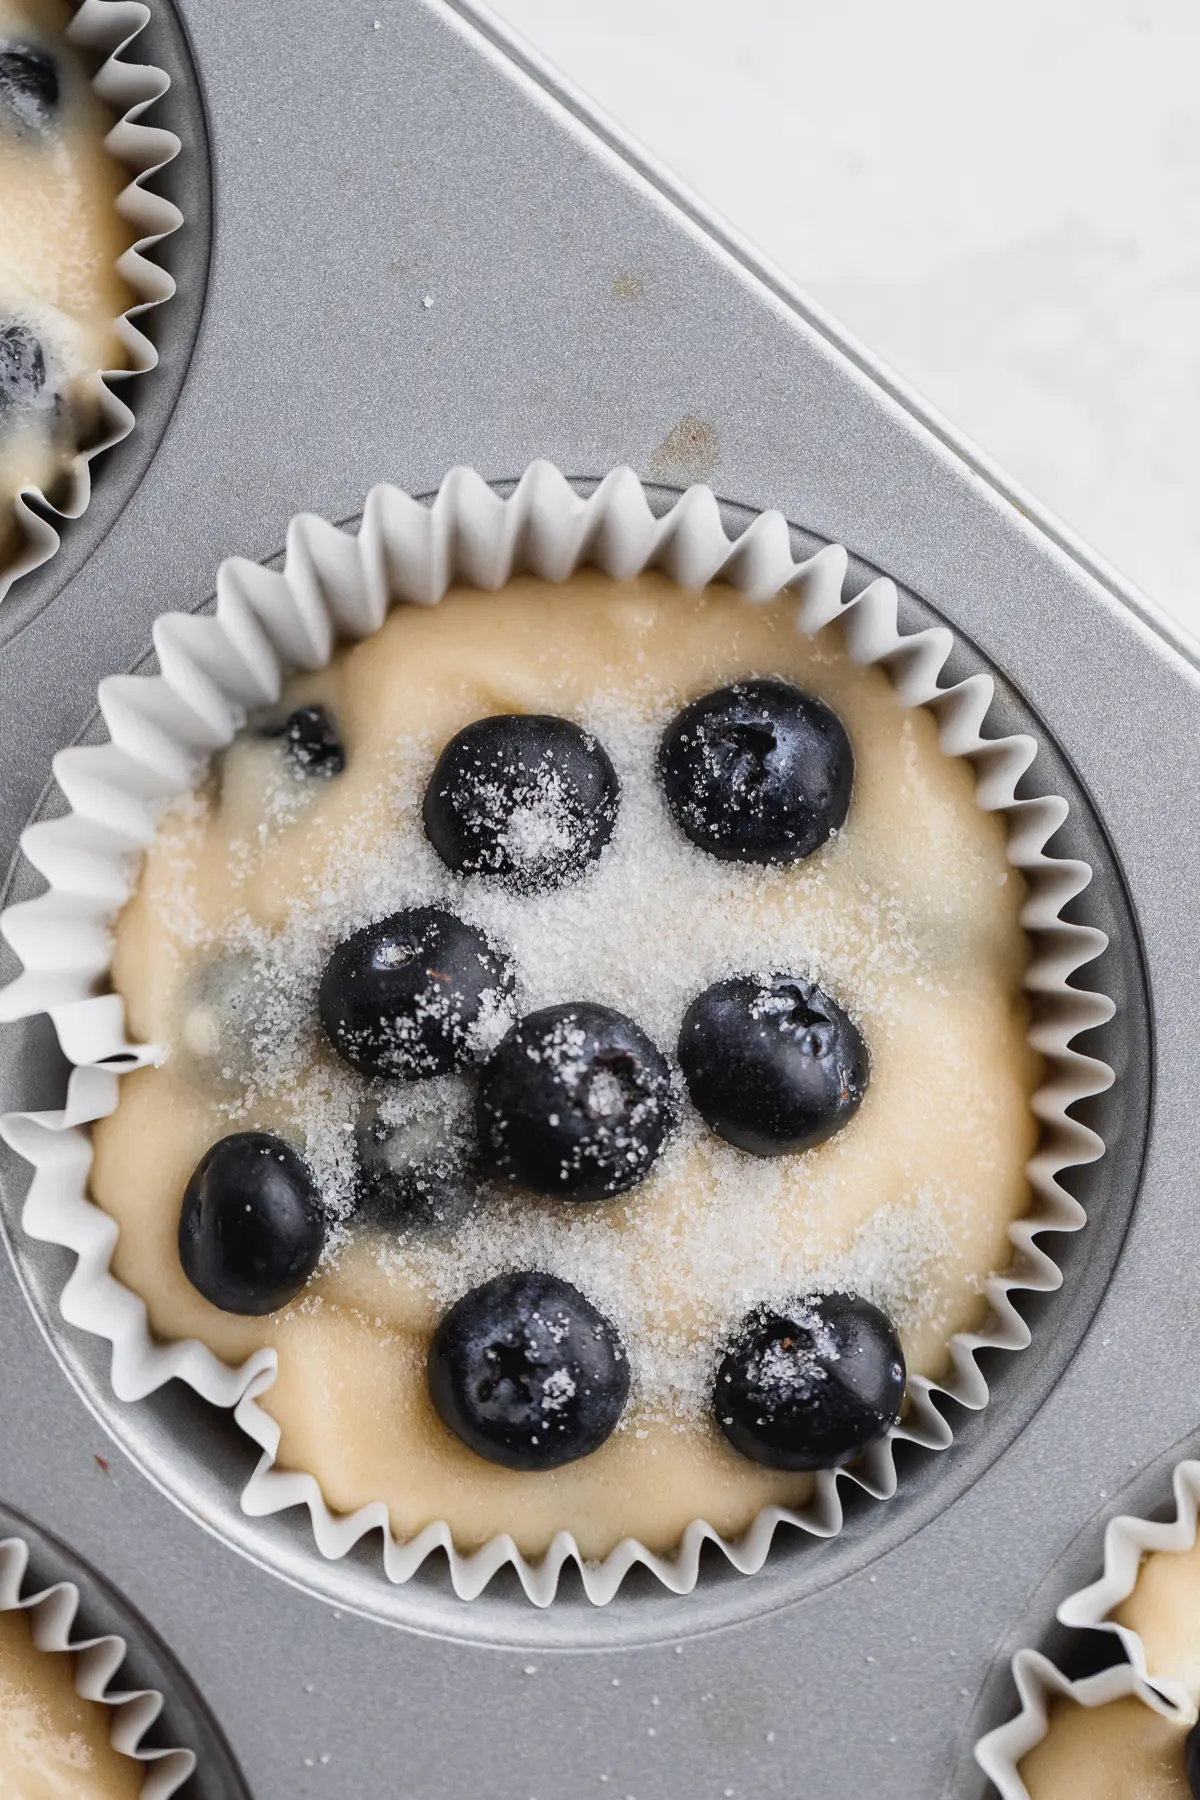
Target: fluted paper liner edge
1127,1539
333,586
52,1618
107,29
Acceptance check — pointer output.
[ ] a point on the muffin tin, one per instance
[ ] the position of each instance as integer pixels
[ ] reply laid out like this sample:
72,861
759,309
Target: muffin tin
423,253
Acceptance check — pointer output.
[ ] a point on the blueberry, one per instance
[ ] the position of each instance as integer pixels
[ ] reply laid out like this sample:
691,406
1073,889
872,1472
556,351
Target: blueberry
310,741
1191,1761
527,1372
414,1172
28,86
576,1101
810,1386
252,1227
528,799
757,772
405,997
773,1066
22,367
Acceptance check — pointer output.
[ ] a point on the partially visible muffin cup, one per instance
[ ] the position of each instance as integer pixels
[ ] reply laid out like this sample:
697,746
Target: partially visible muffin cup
105,30
337,587
1040,1687
52,1614
1172,1694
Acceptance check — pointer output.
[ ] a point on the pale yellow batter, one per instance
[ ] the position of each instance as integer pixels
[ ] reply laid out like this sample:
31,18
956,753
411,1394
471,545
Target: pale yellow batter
60,238
1126,1745
1123,1751
1164,1610
53,1744
910,917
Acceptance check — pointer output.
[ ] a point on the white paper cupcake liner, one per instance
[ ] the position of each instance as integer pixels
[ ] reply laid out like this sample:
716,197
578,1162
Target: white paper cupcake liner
52,1614
106,29
1127,1540
335,586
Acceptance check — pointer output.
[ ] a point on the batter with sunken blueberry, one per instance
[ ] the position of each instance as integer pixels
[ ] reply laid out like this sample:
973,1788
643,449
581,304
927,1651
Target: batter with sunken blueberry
60,239
594,1058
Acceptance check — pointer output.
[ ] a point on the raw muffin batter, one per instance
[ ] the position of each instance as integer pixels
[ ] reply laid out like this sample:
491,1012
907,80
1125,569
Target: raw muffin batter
1125,1751
53,1744
909,915
60,238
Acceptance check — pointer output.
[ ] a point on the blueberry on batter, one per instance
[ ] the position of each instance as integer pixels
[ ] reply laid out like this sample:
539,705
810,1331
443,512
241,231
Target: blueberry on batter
810,1385
576,1101
525,798
527,1372
252,1228
758,772
773,1066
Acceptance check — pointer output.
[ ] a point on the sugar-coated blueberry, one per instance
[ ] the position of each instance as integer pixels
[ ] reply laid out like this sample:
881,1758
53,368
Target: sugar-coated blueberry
406,997
758,772
22,367
812,1384
774,1066
414,1172
1191,1761
310,741
528,799
527,1372
28,86
576,1101
252,1226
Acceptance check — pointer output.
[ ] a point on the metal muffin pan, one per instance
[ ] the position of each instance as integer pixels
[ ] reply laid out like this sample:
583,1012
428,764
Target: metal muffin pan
362,162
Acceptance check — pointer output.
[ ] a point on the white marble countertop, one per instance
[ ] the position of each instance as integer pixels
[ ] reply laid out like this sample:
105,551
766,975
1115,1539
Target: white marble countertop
1003,203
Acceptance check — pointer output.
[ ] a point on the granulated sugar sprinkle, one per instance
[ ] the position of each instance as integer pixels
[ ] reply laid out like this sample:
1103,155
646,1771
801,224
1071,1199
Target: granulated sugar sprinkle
652,923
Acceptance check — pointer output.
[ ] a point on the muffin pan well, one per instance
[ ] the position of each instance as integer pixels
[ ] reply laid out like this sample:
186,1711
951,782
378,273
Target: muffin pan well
56,937
144,75
1105,1187
1066,1642
576,310
154,1715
